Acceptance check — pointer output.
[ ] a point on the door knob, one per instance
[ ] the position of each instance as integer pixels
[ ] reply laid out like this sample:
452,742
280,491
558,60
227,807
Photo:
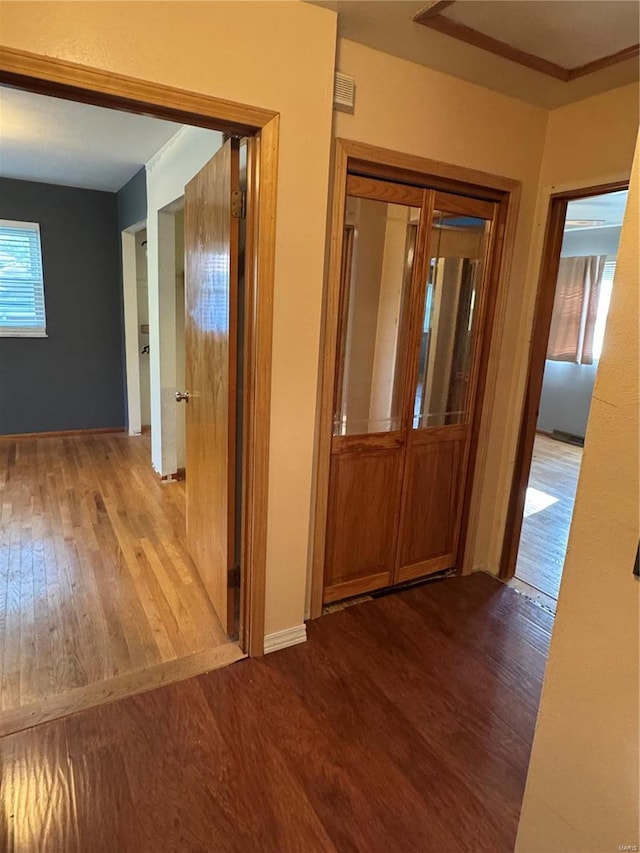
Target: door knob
182,396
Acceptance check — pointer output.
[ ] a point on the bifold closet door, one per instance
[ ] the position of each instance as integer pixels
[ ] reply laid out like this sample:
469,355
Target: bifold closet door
449,319
379,275
413,295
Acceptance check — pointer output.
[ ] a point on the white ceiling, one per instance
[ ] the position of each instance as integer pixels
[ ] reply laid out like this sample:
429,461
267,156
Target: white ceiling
568,32
607,210
388,26
54,141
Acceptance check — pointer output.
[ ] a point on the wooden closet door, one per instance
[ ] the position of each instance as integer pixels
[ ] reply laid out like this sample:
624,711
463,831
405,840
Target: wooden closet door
446,338
383,225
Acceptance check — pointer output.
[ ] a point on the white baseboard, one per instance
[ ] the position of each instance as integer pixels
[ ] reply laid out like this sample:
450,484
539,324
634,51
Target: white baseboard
286,638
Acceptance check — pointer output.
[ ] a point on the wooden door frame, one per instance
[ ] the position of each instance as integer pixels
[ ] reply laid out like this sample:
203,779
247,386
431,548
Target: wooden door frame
545,295
58,78
364,159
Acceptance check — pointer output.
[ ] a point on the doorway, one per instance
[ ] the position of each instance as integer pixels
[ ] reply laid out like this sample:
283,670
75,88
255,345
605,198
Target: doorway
575,291
135,300
146,502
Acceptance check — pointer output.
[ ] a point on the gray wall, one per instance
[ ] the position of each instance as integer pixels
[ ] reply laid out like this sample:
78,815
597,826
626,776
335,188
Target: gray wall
132,201
71,379
566,397
567,388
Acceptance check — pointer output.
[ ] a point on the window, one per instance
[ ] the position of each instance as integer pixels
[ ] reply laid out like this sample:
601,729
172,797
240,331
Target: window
21,283
604,299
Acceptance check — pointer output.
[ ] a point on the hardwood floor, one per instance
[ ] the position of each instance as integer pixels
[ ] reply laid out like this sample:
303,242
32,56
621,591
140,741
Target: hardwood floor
95,581
543,542
404,724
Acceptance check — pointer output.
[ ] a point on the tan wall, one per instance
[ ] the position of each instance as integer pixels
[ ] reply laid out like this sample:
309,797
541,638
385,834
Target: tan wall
588,143
583,782
409,108
278,56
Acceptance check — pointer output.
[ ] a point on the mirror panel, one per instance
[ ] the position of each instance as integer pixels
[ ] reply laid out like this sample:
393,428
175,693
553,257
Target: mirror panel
457,249
377,267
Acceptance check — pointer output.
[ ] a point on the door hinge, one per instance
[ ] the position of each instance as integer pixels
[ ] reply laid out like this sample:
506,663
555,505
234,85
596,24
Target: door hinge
233,578
238,204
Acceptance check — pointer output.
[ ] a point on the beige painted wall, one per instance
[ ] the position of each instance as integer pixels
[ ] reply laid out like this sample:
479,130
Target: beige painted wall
583,782
587,144
409,108
279,56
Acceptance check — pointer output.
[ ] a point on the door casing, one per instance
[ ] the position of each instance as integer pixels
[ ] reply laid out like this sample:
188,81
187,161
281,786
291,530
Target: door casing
359,158
58,78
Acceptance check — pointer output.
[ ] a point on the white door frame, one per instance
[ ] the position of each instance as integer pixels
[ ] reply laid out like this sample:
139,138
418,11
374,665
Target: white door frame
131,339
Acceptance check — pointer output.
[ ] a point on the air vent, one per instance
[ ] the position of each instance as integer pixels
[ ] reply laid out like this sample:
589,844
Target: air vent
344,92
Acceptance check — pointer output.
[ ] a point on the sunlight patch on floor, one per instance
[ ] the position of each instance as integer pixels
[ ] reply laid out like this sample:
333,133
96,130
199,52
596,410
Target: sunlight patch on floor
536,501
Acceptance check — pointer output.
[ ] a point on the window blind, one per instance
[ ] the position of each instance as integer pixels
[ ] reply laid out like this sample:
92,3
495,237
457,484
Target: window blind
609,273
606,286
22,311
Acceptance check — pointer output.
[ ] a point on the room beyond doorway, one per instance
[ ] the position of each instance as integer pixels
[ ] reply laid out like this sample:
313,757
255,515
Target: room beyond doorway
105,600
581,269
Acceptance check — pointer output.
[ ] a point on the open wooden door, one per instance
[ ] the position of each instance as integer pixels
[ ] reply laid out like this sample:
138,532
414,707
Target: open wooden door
211,334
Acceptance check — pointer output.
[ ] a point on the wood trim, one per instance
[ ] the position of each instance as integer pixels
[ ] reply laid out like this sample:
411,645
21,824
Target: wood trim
594,189
364,187
431,16
435,7
328,349
50,76
427,435
127,684
373,161
547,280
499,48
367,443
62,433
461,206
424,568
423,172
261,224
355,587
605,62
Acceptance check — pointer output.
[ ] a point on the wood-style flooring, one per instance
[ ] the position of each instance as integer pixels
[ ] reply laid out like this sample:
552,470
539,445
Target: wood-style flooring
543,543
404,724
97,591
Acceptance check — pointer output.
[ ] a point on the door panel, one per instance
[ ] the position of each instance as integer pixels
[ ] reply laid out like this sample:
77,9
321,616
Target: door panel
451,320
363,517
211,282
382,222
431,503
